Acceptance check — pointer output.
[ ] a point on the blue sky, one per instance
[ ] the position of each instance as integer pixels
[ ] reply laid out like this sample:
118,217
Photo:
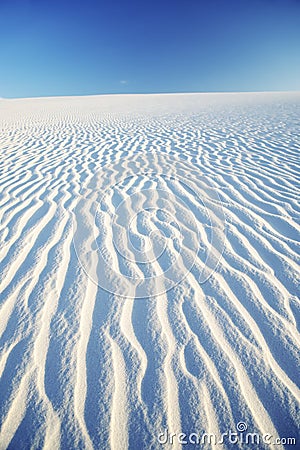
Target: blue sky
93,47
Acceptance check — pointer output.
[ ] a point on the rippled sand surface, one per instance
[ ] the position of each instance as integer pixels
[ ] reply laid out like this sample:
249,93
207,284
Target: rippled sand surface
149,270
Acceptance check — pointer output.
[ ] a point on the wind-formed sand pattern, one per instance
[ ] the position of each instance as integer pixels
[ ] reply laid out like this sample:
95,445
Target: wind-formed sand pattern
149,271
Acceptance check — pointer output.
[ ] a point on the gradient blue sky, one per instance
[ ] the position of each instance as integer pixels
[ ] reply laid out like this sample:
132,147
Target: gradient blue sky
92,47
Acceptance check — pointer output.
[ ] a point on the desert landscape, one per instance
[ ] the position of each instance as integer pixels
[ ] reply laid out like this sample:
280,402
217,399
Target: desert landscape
149,271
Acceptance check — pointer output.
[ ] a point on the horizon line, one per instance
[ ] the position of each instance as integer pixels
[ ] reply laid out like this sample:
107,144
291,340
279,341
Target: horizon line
149,93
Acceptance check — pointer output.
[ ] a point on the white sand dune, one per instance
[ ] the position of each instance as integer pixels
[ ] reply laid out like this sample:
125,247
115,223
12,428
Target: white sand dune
149,271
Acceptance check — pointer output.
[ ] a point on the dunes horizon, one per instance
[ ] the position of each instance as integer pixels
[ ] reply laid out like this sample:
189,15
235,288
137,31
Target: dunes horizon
149,270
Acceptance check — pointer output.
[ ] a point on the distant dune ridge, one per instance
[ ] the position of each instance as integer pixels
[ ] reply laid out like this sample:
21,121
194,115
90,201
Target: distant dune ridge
149,271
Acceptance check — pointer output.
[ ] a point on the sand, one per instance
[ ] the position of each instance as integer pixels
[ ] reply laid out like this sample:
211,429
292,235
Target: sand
149,270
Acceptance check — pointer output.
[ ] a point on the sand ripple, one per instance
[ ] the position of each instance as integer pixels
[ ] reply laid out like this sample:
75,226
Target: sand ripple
149,269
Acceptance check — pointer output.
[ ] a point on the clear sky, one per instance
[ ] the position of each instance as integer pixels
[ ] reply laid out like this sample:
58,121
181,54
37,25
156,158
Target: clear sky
60,47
